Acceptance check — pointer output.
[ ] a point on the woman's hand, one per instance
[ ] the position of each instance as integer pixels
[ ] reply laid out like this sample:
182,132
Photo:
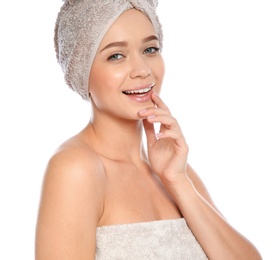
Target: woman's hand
167,150
168,153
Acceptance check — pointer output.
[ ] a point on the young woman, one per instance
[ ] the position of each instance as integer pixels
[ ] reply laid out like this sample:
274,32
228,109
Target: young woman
104,196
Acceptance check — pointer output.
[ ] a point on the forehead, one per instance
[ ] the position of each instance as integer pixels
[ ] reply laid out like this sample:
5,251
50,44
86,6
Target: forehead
131,24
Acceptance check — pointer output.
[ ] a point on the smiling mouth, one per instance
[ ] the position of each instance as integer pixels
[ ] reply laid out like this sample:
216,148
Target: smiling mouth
138,91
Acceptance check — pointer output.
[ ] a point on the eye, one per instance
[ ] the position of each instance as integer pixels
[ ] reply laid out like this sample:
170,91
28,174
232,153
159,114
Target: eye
116,56
151,50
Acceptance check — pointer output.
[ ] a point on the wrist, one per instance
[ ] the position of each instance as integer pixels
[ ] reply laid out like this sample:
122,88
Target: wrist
182,192
175,182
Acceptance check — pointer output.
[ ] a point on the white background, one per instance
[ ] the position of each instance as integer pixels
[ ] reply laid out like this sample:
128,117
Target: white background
220,84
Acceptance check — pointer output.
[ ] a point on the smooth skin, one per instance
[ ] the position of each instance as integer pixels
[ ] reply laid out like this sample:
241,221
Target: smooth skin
102,176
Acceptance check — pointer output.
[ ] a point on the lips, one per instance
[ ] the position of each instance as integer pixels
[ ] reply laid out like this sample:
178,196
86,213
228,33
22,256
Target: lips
140,91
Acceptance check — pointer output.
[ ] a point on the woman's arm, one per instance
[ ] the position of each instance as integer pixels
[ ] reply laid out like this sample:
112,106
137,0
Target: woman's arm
217,237
168,154
70,207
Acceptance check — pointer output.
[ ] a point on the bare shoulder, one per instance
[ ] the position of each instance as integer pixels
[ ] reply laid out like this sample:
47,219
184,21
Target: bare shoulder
71,205
74,165
76,159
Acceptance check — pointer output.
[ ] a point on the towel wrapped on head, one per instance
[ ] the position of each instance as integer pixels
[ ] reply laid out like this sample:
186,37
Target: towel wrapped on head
80,28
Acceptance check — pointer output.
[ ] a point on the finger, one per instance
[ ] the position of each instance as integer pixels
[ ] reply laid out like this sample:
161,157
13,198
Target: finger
158,101
165,121
149,131
162,118
169,127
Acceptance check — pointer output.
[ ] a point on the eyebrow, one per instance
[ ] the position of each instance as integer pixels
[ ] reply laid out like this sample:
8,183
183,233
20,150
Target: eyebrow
124,44
150,38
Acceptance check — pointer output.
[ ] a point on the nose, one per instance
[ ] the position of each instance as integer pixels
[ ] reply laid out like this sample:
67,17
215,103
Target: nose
139,67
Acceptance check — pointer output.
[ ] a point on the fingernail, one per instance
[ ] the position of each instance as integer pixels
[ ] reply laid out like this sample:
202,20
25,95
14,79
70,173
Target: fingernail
142,111
159,135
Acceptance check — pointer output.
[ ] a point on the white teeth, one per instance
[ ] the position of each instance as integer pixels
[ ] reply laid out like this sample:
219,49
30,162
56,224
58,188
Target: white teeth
139,91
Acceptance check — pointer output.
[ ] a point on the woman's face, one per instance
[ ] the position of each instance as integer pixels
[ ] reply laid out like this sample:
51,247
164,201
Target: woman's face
127,67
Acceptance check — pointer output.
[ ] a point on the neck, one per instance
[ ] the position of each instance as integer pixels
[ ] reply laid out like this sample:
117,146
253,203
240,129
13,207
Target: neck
118,139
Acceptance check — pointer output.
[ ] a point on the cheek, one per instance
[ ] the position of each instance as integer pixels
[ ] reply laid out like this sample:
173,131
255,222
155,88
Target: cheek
162,69
162,65
115,76
96,80
159,70
103,82
105,78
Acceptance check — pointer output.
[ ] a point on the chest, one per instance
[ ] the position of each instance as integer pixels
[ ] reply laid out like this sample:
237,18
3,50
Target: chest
134,195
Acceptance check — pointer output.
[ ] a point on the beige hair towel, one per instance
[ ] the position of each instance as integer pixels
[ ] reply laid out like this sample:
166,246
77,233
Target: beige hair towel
79,29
